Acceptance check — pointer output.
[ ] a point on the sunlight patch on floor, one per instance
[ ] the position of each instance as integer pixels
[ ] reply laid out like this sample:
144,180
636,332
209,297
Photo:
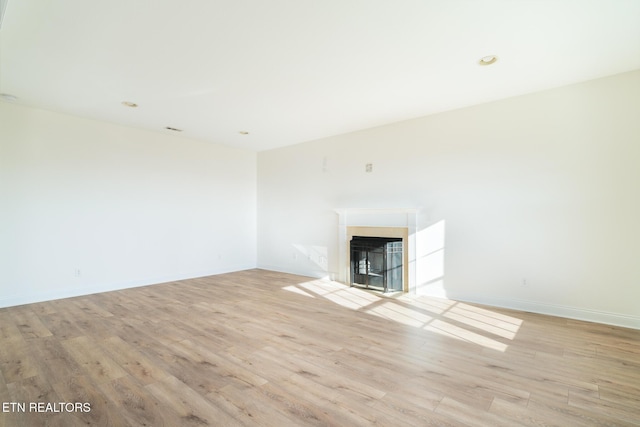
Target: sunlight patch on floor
452,319
349,300
297,291
433,305
488,326
492,316
407,316
457,332
347,297
321,287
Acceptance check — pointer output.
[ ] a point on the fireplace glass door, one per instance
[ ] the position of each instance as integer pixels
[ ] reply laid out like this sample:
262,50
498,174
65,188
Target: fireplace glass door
376,263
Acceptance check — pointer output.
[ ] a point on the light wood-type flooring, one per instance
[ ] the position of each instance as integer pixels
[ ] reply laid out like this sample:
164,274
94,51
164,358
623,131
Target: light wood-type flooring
272,349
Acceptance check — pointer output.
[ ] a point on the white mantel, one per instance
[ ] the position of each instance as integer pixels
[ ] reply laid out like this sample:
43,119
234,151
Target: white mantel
402,218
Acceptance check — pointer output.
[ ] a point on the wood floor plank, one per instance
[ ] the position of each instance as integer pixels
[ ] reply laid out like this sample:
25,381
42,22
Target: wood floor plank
258,347
54,362
29,323
90,308
136,406
523,415
469,415
191,407
224,367
626,395
102,410
565,414
7,418
611,410
62,324
36,390
16,362
93,360
248,406
132,360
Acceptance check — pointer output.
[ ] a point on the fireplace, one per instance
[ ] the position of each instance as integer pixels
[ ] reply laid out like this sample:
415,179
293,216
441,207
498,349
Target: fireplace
377,263
395,223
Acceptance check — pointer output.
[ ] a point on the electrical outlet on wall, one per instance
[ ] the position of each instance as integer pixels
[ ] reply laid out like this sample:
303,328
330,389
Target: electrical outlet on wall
77,272
368,167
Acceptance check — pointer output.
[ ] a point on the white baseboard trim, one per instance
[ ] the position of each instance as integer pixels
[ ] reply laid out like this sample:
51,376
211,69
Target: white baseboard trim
315,274
589,315
15,300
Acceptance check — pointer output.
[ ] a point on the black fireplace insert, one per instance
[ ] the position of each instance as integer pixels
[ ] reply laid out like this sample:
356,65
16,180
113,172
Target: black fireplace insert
376,263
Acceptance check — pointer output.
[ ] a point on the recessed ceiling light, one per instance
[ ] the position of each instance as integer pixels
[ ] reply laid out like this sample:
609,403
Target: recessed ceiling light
243,132
173,129
488,60
129,104
8,97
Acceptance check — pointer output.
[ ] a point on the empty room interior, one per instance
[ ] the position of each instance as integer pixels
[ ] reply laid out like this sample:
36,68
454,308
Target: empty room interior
355,212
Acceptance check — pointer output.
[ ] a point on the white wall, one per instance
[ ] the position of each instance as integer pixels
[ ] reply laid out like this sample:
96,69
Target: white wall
543,188
125,207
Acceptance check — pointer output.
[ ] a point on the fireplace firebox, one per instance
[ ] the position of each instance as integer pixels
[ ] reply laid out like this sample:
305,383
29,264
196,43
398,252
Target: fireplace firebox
376,263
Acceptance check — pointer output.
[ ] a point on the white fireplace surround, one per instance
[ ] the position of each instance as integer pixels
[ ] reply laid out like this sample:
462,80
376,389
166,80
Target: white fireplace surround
394,222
